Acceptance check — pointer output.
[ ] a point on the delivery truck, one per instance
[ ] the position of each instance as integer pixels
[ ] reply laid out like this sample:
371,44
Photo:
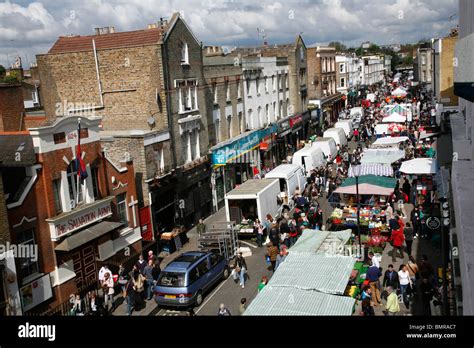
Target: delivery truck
309,158
253,199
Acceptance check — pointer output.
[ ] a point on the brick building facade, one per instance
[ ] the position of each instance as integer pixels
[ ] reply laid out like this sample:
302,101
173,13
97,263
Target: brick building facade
148,86
77,224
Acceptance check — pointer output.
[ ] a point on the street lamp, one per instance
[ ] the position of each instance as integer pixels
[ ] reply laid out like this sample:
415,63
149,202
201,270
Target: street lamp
356,170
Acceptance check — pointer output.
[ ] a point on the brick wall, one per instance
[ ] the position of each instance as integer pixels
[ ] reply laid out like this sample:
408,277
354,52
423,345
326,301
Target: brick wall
12,108
218,74
172,46
314,74
447,71
130,80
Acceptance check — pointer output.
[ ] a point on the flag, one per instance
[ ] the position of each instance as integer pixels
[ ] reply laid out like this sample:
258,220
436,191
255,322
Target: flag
80,165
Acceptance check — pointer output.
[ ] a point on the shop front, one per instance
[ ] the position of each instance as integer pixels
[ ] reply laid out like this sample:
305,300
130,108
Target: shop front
240,159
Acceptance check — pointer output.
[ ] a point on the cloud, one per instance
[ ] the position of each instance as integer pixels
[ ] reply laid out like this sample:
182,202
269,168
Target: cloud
31,27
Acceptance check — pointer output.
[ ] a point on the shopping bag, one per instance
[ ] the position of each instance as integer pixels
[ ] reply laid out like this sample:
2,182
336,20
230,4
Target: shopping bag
267,260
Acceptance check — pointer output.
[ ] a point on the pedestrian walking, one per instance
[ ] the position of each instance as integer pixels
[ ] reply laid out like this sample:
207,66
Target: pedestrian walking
122,279
240,270
223,311
201,228
373,275
390,278
412,268
148,274
108,290
367,309
281,256
243,305
272,253
258,229
405,284
392,307
95,305
141,264
262,283
131,296
139,289
78,307
397,239
409,236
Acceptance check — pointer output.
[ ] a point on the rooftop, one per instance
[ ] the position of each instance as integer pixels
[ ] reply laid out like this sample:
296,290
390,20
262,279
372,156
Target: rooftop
251,187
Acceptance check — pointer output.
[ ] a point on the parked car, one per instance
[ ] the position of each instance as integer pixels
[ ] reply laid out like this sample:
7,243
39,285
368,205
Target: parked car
185,281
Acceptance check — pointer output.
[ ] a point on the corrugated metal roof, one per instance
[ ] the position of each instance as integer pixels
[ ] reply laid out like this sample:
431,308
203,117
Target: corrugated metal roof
320,242
290,301
251,187
328,274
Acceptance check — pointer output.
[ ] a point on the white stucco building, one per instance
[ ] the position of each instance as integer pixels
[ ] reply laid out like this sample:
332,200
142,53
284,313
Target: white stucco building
266,90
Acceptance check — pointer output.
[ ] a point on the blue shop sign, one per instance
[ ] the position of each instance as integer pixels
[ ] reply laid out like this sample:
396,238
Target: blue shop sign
237,148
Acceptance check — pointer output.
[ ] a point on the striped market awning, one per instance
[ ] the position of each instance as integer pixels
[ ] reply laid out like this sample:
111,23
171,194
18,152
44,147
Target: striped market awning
372,169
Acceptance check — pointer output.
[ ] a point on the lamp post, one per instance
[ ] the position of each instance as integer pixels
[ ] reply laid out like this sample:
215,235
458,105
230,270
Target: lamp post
356,170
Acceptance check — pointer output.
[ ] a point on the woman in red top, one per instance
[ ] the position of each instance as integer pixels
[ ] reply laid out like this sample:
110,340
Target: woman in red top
397,239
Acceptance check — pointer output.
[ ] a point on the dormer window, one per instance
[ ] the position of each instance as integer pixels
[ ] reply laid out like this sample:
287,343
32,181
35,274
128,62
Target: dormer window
184,54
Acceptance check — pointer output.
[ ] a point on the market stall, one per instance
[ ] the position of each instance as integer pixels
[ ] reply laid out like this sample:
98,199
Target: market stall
399,92
373,193
389,142
377,169
382,156
394,118
419,166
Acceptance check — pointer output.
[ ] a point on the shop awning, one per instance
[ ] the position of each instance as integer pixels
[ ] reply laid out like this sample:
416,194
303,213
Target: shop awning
372,169
419,166
389,141
382,156
368,185
86,235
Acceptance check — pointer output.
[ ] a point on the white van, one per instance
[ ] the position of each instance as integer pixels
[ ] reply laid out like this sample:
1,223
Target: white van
328,146
337,134
309,158
347,126
291,176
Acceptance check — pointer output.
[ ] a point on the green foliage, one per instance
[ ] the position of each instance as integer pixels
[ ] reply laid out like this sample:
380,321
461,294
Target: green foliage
340,47
2,70
10,79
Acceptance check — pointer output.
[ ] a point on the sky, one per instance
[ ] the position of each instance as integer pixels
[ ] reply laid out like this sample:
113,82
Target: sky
28,27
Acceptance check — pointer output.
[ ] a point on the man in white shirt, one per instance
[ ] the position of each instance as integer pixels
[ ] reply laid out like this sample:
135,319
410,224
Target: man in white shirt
104,269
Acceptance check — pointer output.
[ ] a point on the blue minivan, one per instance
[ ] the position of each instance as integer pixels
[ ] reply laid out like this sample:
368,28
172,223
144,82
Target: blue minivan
186,279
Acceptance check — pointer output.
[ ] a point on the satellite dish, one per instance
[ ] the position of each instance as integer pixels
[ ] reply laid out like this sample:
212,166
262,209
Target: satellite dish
151,120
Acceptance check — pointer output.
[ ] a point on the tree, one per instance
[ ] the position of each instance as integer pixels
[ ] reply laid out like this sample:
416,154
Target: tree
340,47
2,70
10,79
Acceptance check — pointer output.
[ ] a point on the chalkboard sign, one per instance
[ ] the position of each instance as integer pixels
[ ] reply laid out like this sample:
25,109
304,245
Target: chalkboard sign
177,242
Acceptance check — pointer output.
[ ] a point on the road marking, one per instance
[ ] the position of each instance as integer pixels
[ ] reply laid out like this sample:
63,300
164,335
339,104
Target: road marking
249,244
211,295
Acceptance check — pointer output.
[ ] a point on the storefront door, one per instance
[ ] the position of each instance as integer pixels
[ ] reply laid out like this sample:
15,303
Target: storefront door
84,264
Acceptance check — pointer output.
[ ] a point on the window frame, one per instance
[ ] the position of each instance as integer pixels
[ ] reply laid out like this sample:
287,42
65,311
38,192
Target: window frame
119,204
27,262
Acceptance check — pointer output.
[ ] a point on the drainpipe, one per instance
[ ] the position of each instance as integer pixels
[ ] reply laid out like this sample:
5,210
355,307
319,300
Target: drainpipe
101,97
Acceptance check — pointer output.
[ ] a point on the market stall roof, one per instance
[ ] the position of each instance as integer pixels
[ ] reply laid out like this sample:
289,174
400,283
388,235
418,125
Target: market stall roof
372,169
290,302
381,129
399,92
419,166
389,141
382,156
306,271
395,118
320,242
368,185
